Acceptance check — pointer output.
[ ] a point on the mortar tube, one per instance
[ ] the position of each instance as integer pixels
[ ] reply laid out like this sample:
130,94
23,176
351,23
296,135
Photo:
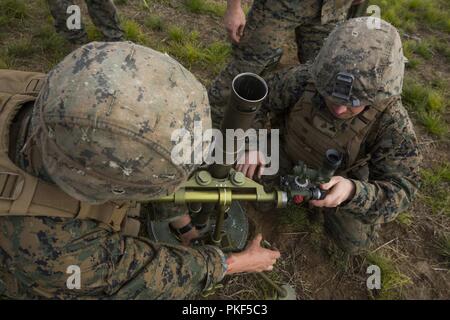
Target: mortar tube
248,92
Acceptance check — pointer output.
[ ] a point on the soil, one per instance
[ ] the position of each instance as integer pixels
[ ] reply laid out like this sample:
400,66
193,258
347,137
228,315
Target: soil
306,265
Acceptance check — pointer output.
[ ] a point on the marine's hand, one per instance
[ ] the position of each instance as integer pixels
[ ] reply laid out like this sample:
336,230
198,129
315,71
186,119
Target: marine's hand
250,163
339,189
234,21
253,259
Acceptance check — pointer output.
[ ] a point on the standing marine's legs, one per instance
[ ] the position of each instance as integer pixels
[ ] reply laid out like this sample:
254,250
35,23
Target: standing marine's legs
104,15
310,37
267,25
58,10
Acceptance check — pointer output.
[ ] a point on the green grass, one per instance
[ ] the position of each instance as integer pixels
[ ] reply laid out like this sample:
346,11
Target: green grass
21,48
441,47
217,54
442,244
133,31
435,101
434,123
49,41
154,23
392,280
206,7
424,98
429,103
435,188
424,50
176,34
187,47
405,218
406,14
93,33
11,11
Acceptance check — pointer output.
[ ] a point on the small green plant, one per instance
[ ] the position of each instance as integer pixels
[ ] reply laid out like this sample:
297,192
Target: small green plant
154,23
132,31
188,48
21,49
434,123
405,218
415,95
392,280
12,9
413,63
49,40
405,14
442,244
93,33
429,105
435,186
206,6
435,101
217,54
441,47
177,34
424,50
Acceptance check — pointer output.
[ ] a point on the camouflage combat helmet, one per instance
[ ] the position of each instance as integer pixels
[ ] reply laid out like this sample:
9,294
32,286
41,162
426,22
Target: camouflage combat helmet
105,117
359,63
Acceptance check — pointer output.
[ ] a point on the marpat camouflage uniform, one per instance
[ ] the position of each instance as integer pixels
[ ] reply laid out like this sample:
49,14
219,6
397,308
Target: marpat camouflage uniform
35,253
267,25
103,14
387,182
114,91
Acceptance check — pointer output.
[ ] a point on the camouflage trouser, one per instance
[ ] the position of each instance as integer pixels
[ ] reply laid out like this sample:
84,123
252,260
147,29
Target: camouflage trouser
267,25
103,14
349,232
35,254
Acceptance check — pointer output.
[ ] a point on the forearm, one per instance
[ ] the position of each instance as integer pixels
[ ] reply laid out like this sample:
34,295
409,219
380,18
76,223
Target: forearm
160,271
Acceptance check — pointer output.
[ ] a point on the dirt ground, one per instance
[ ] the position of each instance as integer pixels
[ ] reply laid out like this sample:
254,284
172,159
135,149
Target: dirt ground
308,264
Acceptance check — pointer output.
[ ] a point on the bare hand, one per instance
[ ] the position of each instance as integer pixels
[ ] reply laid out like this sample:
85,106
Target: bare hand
234,22
253,259
250,163
340,190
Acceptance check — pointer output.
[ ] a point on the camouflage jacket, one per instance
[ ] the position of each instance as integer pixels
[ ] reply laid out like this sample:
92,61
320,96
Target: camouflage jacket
393,168
37,252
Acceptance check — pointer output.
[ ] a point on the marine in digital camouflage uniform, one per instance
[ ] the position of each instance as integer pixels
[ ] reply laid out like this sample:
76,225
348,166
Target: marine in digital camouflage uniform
102,12
73,165
266,29
381,156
